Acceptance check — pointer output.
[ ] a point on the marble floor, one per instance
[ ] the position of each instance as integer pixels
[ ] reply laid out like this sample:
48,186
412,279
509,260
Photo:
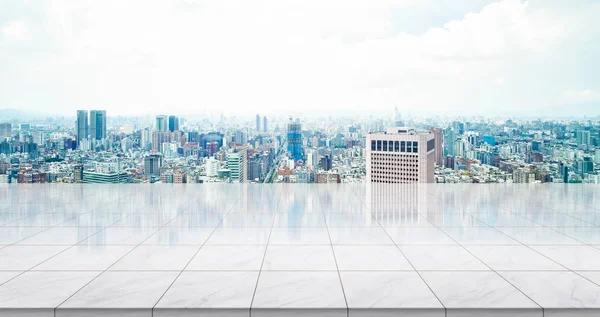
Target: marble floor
299,249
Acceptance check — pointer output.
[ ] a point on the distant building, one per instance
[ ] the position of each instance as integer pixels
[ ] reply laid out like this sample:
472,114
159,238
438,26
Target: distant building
400,155
212,167
326,162
237,164
31,177
152,165
5,130
265,126
82,127
438,141
173,177
257,123
173,123
449,142
162,123
328,178
91,177
78,173
294,139
97,124
521,175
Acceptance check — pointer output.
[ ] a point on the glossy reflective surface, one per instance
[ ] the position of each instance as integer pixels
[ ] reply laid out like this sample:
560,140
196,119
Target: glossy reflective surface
303,250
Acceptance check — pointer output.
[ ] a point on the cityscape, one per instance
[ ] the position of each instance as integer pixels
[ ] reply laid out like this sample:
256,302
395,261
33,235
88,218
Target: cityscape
95,147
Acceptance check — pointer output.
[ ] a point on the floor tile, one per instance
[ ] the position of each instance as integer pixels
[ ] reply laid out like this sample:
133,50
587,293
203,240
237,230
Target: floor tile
25,257
237,258
479,294
239,236
45,290
442,258
299,293
299,258
156,258
389,294
557,291
479,236
419,236
170,235
85,258
372,258
123,293
573,257
299,236
520,258
61,236
201,293
359,236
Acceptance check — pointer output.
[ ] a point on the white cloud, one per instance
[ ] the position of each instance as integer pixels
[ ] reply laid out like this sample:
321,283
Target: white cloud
240,56
15,30
586,95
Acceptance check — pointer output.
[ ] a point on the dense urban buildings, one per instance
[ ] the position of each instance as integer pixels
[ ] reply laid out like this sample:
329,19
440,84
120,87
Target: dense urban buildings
170,148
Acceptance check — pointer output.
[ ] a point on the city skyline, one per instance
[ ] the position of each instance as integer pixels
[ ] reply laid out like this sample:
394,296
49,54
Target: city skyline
483,57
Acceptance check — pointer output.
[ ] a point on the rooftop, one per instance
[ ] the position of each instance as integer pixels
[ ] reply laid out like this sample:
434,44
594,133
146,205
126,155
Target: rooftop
302,250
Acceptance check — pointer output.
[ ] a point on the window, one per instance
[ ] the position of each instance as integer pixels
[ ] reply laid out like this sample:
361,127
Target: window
373,145
396,146
402,146
409,147
385,145
378,145
415,147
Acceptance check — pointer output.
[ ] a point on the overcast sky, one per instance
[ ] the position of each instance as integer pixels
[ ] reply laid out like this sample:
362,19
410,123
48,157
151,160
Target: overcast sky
264,56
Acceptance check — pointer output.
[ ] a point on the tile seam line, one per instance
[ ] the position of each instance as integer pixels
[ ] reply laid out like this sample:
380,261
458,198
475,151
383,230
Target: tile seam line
404,255
93,234
538,252
264,256
49,228
333,252
197,251
124,255
498,274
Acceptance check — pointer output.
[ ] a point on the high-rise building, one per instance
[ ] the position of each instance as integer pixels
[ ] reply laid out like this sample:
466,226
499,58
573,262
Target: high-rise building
146,139
24,126
159,138
521,175
212,167
583,137
152,165
162,123
257,123
82,127
114,177
438,137
265,126
173,123
400,155
294,139
78,173
326,162
237,164
97,124
240,138
5,130
449,142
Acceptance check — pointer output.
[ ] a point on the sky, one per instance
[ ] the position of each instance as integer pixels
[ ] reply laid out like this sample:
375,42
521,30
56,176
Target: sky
242,57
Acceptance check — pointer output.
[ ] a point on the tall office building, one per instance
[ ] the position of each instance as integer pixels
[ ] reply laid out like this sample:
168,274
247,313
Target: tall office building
237,164
294,139
5,130
82,126
162,123
449,142
438,137
97,124
152,165
265,126
173,123
257,123
400,155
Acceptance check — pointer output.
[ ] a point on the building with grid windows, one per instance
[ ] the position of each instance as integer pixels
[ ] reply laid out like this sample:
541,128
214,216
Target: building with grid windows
400,155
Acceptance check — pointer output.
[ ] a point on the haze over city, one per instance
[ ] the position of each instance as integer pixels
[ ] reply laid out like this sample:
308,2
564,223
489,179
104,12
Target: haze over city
509,58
